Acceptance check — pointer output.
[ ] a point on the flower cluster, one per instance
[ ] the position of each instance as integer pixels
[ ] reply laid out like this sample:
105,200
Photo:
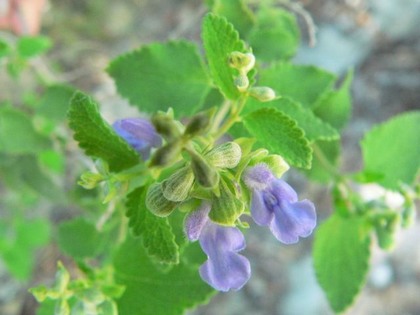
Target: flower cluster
211,174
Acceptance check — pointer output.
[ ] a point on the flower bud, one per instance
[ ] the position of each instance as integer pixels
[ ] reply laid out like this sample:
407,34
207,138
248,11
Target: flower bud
262,93
227,207
139,133
198,124
157,203
166,126
90,180
244,62
166,154
226,155
241,82
205,174
178,185
276,164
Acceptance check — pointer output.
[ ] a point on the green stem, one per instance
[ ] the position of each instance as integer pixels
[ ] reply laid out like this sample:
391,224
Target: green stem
232,119
330,168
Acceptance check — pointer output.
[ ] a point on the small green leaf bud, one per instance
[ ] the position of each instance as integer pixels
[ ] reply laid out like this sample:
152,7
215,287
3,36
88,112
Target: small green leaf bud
157,203
241,82
198,124
276,164
178,185
262,93
166,126
244,62
385,238
90,180
205,174
166,154
226,155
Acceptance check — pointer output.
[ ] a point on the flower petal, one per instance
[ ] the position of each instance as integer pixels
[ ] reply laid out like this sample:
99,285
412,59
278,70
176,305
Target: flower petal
293,220
215,239
283,191
261,214
195,221
139,133
258,177
227,271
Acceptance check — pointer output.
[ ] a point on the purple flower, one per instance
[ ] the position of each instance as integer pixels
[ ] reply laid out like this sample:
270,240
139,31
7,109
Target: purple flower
139,133
275,204
224,269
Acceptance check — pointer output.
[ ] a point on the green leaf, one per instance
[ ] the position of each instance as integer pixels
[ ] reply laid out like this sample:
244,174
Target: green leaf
156,233
4,48
220,39
159,76
149,291
304,84
325,161
335,106
97,137
18,134
393,150
280,135
54,103
276,35
52,160
236,12
80,239
341,259
31,46
19,254
314,127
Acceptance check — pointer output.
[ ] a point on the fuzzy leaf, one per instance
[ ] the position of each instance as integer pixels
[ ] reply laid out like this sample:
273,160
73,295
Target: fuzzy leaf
159,76
276,35
304,84
341,259
334,107
280,135
314,127
392,149
236,12
220,39
156,232
97,137
149,291
18,134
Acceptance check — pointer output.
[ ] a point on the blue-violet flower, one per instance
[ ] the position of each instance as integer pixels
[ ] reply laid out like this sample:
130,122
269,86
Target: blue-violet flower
139,133
224,269
275,204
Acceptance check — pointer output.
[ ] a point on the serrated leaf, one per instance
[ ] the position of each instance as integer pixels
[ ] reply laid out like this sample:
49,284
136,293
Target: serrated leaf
80,238
31,46
392,149
18,134
236,12
276,35
97,137
54,103
334,107
341,259
152,292
280,135
220,39
159,76
304,84
156,232
314,127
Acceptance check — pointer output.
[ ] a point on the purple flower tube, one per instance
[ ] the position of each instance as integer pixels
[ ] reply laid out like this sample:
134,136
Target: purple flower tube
224,269
139,133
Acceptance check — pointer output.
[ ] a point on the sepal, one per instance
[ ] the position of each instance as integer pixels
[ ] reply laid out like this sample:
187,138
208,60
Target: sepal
157,203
